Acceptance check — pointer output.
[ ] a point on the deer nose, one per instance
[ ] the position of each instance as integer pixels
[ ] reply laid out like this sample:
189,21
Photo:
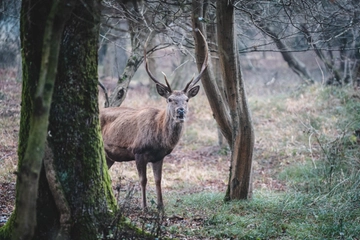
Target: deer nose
181,112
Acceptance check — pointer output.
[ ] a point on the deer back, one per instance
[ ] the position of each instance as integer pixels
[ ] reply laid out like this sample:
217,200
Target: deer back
128,131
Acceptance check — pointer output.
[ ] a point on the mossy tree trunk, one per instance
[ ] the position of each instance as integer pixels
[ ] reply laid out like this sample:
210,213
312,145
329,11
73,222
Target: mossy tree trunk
73,198
230,108
74,140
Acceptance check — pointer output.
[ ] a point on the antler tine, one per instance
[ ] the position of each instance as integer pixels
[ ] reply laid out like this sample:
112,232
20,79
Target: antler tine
204,66
187,85
167,83
147,66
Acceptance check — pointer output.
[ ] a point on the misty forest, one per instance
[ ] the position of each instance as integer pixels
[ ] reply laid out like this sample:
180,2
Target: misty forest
179,119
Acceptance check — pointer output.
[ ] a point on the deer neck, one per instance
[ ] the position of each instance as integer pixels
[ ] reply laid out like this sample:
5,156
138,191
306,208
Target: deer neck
172,129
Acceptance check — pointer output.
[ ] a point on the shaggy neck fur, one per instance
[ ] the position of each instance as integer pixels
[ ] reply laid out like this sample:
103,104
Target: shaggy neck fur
172,128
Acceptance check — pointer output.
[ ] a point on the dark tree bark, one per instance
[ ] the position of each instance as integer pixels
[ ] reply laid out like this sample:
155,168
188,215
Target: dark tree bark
75,143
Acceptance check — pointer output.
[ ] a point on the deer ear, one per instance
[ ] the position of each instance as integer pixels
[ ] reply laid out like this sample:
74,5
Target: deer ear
163,91
193,91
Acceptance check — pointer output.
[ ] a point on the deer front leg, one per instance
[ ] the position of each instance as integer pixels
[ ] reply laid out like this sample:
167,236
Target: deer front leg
141,167
157,170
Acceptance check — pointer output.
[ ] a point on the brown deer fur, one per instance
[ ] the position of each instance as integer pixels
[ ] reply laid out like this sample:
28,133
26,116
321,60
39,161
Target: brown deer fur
148,134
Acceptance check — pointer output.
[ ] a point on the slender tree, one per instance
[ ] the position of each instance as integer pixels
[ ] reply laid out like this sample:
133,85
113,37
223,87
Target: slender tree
242,130
230,108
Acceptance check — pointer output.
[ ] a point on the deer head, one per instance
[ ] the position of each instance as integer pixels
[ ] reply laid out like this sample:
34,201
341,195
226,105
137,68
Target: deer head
177,99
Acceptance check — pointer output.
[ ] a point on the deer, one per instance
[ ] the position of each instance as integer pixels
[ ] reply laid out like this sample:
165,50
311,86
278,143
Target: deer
148,134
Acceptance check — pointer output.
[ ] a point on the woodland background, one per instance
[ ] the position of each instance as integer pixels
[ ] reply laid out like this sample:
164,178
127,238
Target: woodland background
300,64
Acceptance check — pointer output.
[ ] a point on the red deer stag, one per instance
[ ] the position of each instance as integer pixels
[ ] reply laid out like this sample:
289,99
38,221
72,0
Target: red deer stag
148,134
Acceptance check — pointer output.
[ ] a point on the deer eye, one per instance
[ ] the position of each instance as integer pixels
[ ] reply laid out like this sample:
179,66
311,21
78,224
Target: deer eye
170,100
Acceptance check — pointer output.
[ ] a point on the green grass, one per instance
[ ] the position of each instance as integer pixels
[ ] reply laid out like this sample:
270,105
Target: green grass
322,177
269,215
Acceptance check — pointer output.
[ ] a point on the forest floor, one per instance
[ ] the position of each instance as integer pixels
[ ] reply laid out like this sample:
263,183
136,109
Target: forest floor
291,130
10,92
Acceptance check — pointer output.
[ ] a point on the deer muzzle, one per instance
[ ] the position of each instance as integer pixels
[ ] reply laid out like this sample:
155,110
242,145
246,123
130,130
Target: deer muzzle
180,114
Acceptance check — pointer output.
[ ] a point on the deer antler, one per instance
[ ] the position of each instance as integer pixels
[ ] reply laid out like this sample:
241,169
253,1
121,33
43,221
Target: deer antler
167,83
148,70
195,80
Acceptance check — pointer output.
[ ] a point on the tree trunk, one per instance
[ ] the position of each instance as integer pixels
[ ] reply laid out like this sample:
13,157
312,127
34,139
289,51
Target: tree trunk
120,91
230,110
211,32
136,57
214,95
242,130
75,142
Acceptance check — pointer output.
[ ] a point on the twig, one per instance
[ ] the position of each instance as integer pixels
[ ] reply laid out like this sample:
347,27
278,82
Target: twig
7,155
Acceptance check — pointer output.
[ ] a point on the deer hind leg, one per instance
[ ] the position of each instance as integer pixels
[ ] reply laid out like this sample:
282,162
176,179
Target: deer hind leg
141,167
157,170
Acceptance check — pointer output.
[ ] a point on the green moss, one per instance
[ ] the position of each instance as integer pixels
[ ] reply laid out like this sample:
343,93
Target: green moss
7,229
